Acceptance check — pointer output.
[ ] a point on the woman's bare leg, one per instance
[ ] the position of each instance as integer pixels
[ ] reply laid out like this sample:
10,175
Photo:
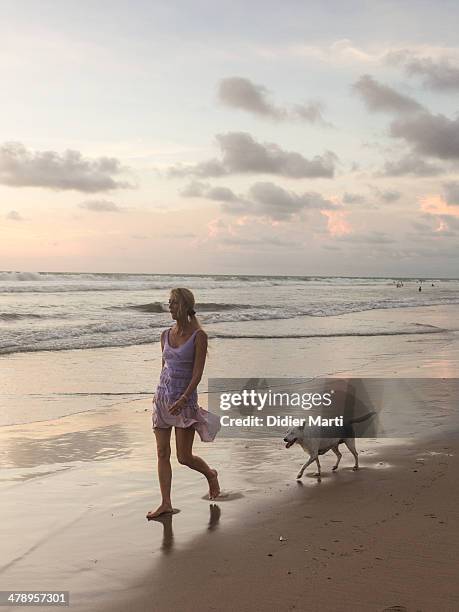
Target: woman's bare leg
163,447
184,443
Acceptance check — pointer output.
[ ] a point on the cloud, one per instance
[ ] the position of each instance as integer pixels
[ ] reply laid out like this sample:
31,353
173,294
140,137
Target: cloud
210,168
217,228
342,51
280,204
389,196
435,226
266,242
264,199
428,253
243,94
451,190
337,224
432,135
347,52
251,234
311,112
230,202
451,221
422,228
427,134
378,97
221,194
180,235
440,74
437,205
20,167
353,198
374,237
331,247
100,206
241,154
410,165
195,189
357,200
13,215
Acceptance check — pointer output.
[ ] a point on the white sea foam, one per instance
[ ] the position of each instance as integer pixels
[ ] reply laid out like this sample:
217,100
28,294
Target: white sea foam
52,311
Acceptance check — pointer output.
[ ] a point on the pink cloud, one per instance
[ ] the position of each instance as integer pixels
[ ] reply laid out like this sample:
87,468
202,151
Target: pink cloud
337,223
215,228
436,205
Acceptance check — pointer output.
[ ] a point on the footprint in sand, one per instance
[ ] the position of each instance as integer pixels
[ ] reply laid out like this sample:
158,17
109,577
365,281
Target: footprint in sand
224,496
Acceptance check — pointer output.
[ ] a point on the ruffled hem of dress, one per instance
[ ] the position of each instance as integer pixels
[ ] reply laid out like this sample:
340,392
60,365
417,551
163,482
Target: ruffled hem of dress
206,423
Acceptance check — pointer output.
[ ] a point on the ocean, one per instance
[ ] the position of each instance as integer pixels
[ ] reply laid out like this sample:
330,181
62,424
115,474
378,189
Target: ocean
60,311
73,343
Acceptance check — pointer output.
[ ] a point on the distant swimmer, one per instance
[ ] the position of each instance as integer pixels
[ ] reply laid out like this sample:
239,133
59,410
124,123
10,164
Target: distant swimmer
420,288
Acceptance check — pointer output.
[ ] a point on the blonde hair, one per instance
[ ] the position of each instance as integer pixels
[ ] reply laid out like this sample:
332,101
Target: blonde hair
185,306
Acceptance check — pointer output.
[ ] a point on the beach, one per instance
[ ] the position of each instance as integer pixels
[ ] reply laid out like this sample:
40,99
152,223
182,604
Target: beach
367,540
78,474
229,306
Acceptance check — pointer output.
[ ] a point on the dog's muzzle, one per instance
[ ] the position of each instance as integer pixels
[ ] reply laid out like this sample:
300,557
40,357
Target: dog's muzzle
289,442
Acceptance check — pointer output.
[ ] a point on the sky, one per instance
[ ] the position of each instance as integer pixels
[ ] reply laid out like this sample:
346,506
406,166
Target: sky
290,138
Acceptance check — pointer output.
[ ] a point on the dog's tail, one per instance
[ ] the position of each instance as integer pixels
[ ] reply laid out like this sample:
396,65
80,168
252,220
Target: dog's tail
365,417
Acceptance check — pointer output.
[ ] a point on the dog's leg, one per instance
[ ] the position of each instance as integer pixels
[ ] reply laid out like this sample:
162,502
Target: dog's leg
301,472
350,443
335,449
319,474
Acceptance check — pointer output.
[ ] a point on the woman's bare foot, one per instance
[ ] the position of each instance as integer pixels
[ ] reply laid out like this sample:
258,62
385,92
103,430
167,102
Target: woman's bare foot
162,509
214,486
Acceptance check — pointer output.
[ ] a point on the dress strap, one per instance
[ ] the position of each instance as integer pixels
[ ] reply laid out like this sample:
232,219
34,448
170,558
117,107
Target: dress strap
166,335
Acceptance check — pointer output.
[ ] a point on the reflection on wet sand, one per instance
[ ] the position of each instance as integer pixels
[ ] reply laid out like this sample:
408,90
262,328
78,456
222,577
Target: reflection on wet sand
168,534
96,444
214,518
167,543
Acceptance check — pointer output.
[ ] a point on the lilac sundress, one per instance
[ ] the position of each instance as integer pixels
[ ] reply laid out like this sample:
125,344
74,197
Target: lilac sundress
175,378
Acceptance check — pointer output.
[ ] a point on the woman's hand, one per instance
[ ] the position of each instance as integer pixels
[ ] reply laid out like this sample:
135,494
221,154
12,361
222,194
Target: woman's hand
178,406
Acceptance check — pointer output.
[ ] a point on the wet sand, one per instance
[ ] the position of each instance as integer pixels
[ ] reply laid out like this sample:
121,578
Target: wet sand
385,535
382,538
75,491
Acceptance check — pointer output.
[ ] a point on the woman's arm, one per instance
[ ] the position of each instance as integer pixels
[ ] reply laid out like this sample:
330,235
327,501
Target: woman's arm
162,347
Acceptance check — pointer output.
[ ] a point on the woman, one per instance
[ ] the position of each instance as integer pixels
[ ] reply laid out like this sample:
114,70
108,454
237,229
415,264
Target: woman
184,349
